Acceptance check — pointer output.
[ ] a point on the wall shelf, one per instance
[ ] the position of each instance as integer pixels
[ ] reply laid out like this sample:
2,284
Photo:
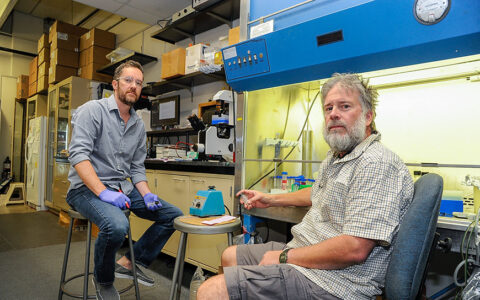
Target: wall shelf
143,59
185,82
197,22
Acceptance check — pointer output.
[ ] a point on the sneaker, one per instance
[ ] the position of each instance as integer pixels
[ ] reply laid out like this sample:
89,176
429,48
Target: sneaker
105,292
122,272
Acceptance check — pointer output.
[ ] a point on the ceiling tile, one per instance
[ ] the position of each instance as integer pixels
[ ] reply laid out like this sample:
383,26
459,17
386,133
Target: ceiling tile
137,14
108,5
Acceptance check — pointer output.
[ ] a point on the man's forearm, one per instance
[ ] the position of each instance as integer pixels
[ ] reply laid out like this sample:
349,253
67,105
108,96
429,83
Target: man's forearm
298,198
89,177
142,188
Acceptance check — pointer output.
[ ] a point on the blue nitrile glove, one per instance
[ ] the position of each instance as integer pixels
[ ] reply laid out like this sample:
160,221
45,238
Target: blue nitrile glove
115,198
151,201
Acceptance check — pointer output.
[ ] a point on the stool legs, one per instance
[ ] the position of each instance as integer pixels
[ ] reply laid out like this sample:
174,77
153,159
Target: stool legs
176,280
134,267
230,238
87,264
65,260
87,260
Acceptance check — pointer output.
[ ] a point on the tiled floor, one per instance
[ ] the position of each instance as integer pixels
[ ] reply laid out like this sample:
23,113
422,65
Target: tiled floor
23,231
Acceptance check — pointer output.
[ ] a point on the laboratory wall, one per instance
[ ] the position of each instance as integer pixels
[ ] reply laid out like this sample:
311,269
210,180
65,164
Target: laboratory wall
142,42
25,33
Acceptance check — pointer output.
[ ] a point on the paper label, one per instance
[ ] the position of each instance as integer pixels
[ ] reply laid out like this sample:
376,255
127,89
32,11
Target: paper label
62,36
230,53
261,29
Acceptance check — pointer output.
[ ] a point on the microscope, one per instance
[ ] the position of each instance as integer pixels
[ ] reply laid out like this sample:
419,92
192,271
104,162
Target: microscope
215,136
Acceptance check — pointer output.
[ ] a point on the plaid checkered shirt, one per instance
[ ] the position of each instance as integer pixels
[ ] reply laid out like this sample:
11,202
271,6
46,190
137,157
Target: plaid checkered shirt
364,194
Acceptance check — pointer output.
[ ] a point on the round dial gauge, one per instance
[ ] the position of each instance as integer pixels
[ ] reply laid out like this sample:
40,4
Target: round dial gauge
430,12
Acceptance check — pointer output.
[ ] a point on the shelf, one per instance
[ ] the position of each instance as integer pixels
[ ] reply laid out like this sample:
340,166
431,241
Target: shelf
143,59
172,132
197,22
184,82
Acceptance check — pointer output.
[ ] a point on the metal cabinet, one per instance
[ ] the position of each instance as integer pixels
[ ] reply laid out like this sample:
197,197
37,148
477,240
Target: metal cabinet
179,189
63,99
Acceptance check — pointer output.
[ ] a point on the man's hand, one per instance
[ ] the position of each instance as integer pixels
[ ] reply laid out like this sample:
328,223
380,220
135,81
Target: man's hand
114,198
251,198
270,258
152,202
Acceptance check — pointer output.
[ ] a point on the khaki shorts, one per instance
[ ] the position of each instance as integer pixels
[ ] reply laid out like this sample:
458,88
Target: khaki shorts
282,281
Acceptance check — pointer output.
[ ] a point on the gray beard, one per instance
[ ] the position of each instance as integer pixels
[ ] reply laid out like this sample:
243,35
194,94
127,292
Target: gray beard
346,142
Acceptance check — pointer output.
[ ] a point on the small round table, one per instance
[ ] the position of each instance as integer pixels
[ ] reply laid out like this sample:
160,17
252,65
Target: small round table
185,229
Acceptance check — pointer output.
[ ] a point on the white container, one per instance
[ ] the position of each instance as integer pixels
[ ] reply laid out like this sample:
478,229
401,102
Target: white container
195,57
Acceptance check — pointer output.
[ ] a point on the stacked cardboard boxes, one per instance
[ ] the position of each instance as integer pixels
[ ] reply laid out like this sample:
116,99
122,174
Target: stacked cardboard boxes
94,46
64,47
43,63
173,63
22,87
32,77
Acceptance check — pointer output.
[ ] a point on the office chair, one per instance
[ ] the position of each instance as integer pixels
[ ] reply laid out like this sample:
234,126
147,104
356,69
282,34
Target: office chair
415,242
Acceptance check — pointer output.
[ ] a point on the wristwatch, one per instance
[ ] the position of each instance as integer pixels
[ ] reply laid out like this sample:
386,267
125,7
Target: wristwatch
284,256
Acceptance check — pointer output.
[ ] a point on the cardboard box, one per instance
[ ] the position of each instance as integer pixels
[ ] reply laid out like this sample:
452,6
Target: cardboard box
97,37
234,35
42,83
64,58
43,69
22,87
58,73
173,63
195,57
32,89
43,42
62,27
94,54
43,56
89,72
33,71
65,41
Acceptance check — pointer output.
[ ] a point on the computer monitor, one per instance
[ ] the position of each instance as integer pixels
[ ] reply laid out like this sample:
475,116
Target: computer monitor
165,111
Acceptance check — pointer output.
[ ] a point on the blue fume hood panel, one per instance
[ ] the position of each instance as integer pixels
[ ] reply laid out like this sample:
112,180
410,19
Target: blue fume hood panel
377,35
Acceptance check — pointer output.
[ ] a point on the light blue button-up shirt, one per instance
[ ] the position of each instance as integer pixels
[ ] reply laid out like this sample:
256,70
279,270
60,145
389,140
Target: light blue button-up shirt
116,150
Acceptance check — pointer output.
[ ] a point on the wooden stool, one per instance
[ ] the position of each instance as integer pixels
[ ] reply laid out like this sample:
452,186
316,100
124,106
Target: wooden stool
62,290
185,229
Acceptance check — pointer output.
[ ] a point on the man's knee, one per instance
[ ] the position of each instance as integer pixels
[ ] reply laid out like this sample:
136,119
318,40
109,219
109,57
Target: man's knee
213,288
229,256
117,230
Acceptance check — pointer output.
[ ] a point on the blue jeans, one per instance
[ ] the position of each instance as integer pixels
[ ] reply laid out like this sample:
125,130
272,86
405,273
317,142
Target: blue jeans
113,227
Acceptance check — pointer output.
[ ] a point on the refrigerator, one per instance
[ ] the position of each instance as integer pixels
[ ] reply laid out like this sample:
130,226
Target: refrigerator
35,159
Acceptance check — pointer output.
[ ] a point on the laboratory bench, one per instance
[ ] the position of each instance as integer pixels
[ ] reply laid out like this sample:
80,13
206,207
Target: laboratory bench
212,167
178,182
447,227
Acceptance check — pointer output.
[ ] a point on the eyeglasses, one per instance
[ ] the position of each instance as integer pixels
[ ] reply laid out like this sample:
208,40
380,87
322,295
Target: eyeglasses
129,80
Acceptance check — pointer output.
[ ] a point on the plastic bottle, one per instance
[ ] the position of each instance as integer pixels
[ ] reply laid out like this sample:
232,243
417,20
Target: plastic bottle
197,280
284,180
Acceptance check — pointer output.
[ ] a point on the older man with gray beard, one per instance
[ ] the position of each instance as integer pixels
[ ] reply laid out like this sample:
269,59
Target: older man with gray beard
341,249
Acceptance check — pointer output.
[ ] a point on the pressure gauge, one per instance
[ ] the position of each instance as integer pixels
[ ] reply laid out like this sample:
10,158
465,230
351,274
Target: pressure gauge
429,12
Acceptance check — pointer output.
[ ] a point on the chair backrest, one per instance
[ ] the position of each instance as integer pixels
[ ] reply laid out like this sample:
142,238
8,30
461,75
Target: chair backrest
414,240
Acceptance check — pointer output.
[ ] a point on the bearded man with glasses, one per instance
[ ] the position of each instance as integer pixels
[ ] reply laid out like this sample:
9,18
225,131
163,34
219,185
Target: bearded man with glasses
107,174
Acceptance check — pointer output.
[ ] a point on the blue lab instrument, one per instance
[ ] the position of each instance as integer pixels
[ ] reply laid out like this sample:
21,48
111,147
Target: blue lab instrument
208,203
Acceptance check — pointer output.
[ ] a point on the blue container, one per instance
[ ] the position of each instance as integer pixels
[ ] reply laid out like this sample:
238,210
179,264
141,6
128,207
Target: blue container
447,207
